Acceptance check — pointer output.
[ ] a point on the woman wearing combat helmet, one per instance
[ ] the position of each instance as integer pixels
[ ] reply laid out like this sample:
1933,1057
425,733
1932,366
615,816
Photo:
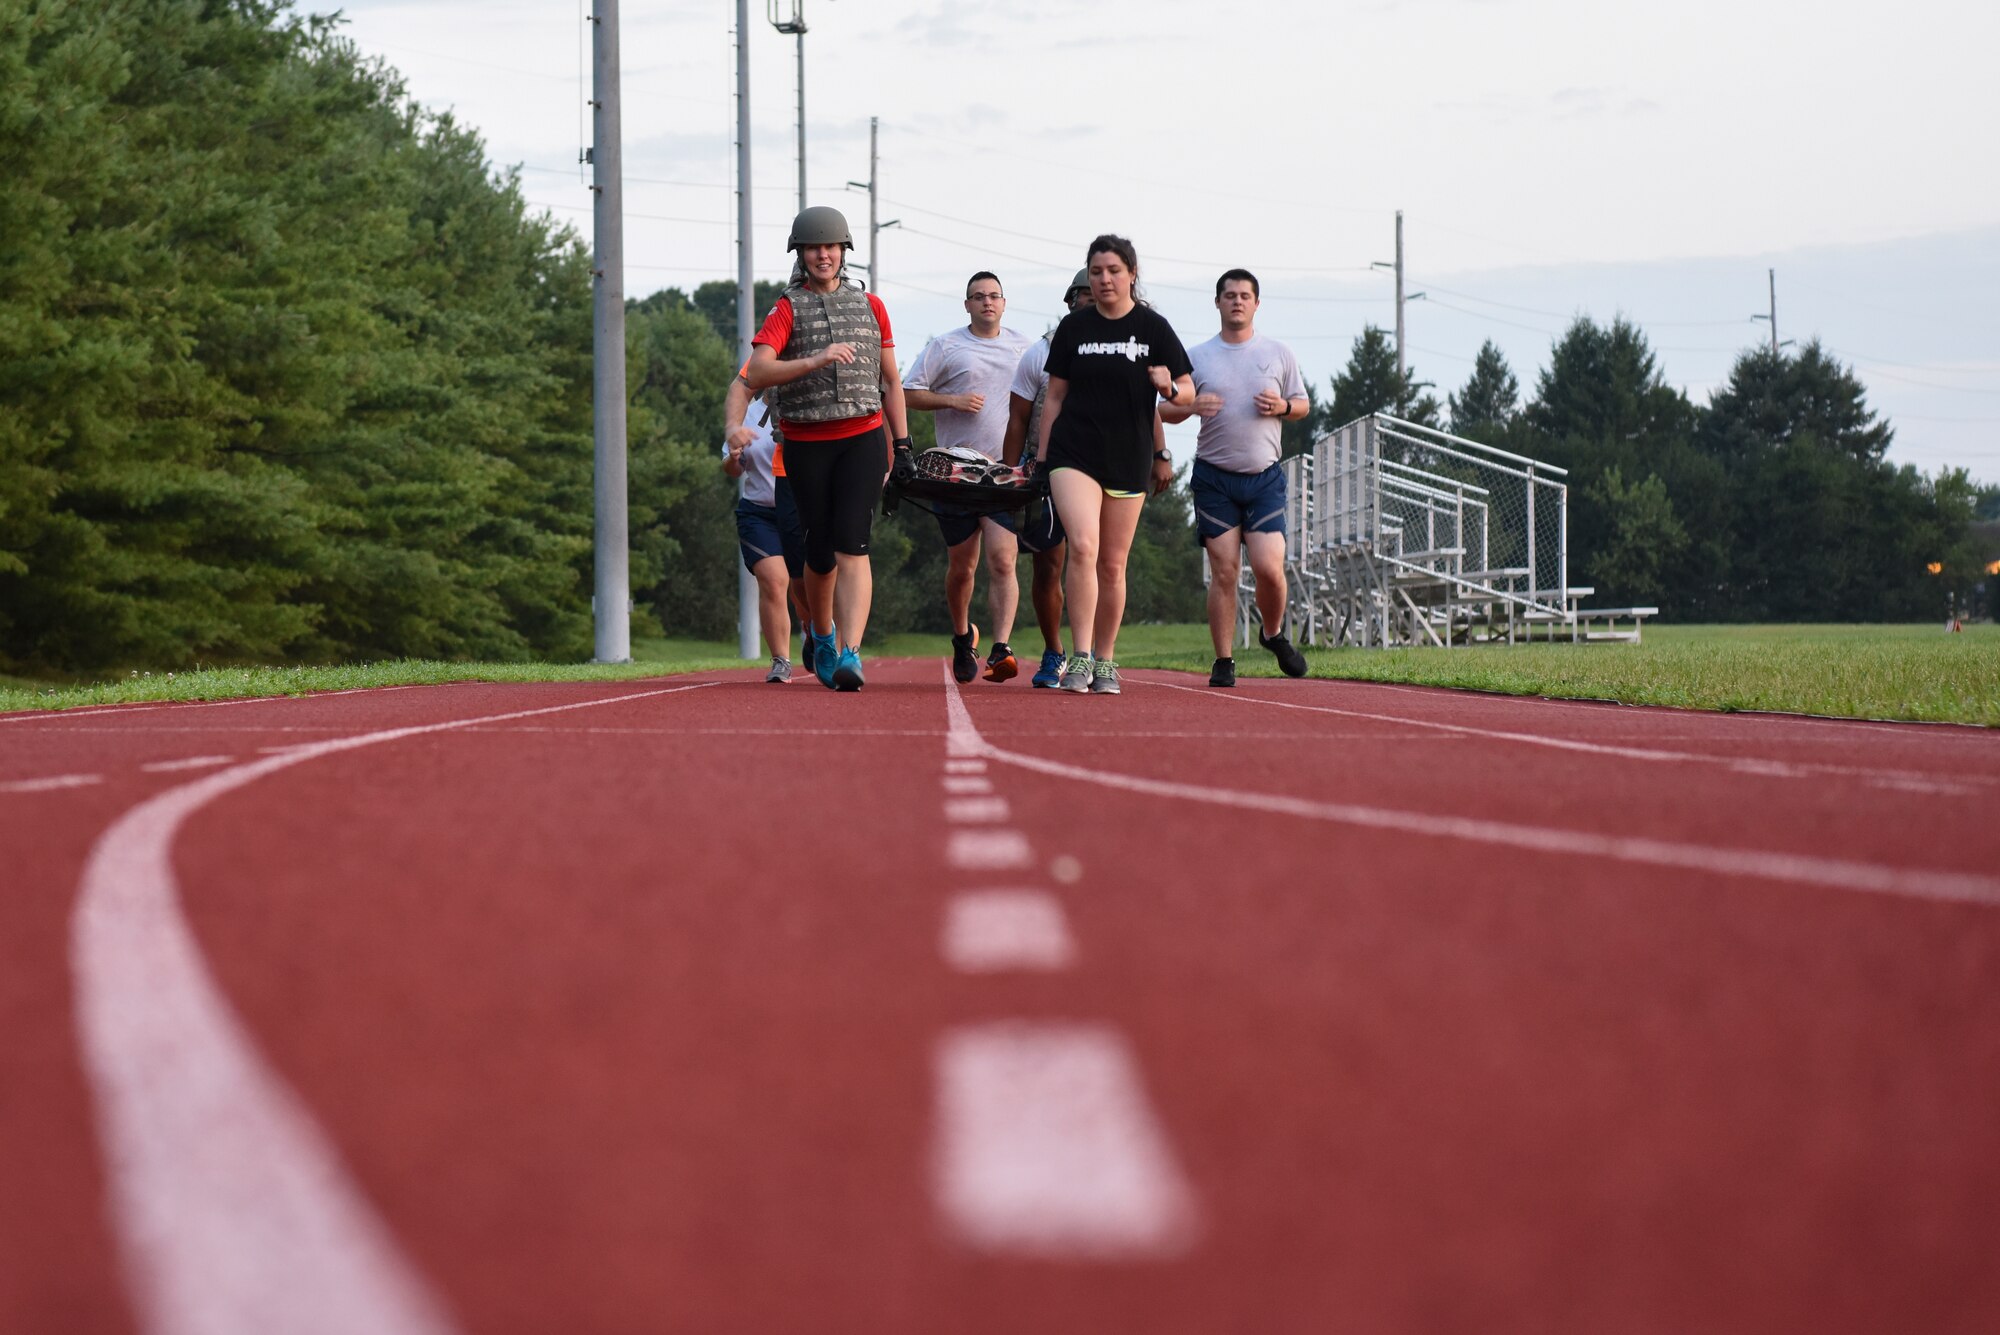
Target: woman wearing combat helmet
827,348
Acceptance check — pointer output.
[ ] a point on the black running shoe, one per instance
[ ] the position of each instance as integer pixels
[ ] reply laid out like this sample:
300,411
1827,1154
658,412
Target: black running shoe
1000,664
1290,661
1223,673
806,648
965,655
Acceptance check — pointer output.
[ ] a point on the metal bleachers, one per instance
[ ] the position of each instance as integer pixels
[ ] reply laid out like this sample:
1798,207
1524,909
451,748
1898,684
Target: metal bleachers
1398,534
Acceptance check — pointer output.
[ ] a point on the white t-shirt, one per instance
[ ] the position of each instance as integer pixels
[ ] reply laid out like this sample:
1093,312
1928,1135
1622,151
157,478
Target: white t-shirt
961,362
1031,373
759,487
1239,438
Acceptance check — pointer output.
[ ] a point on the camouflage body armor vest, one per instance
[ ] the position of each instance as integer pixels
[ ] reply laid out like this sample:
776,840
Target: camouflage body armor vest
832,393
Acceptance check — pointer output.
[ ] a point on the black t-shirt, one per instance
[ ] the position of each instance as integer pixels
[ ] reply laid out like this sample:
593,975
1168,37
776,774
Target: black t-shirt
1106,424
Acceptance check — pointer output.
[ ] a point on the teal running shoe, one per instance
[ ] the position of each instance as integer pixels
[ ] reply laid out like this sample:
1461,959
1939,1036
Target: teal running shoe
847,670
825,657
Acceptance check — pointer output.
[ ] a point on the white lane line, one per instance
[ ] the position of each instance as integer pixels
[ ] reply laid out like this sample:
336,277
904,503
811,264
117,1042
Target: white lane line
1837,873
192,762
987,850
1755,717
975,810
58,715
964,767
999,931
1047,1147
54,783
1783,769
967,785
231,1208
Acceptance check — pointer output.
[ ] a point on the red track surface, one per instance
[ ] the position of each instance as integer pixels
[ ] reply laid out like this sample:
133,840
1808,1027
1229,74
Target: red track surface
625,1018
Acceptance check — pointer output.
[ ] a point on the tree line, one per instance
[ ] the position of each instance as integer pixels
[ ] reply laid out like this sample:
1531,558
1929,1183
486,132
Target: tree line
289,373
1772,502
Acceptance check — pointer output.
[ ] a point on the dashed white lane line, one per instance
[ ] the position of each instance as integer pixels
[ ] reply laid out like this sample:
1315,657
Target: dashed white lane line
967,784
963,766
54,783
1802,868
987,850
975,810
1047,1147
231,1207
1000,931
192,762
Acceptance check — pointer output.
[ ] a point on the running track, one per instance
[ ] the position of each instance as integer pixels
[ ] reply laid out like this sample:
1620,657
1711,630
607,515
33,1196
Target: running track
1315,1006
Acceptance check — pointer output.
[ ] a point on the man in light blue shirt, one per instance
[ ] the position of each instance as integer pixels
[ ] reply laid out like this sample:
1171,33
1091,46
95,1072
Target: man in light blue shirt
1246,387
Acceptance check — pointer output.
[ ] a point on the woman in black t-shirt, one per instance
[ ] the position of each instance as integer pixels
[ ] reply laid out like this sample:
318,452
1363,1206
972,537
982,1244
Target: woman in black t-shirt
1109,365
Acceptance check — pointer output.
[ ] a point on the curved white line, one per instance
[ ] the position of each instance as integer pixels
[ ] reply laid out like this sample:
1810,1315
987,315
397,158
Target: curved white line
1873,878
233,1211
1953,784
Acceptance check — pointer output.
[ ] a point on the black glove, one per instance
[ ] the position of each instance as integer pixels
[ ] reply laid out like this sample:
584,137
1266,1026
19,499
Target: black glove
903,467
1037,474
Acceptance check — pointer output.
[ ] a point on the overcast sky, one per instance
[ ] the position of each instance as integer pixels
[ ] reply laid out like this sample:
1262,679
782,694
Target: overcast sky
1552,158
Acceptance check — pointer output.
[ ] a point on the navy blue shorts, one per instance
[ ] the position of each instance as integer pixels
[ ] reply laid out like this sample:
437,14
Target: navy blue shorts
1253,502
772,530
1039,528
957,525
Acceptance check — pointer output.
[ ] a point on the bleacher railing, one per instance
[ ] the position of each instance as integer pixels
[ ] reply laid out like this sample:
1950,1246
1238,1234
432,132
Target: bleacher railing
1399,533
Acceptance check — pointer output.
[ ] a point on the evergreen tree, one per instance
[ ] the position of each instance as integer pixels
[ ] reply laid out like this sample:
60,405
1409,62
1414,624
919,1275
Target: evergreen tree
1772,399
1603,389
1491,398
1371,384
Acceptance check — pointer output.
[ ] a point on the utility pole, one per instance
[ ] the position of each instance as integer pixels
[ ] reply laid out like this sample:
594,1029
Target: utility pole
1773,316
612,604
1402,364
746,307
875,229
1399,295
1773,275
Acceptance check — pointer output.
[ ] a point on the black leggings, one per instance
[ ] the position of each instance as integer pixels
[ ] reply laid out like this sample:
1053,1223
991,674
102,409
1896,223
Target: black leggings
837,484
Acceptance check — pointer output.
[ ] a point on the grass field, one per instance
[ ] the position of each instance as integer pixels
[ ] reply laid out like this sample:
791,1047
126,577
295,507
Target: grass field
1885,672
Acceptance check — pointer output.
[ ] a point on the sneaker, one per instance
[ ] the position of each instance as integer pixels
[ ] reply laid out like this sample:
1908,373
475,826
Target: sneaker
1290,661
847,670
1223,673
1000,664
781,671
1104,677
1076,673
806,647
824,656
964,655
1049,675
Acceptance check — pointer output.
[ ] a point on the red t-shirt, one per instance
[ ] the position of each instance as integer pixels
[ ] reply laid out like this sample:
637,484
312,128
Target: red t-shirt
777,332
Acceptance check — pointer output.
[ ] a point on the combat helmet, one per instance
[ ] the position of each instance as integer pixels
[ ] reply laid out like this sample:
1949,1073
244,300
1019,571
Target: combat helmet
820,225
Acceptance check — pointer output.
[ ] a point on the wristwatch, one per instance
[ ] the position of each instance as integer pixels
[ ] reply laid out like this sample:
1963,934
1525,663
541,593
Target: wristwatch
1163,456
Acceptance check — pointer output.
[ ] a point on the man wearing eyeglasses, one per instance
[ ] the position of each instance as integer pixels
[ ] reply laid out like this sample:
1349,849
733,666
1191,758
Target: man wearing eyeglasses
963,377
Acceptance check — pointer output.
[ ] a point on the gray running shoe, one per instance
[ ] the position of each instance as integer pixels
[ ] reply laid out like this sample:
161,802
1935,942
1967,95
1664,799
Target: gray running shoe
781,671
1076,674
1105,678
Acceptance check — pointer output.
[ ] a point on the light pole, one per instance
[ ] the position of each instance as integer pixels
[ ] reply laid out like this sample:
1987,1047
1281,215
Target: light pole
795,26
746,297
612,600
